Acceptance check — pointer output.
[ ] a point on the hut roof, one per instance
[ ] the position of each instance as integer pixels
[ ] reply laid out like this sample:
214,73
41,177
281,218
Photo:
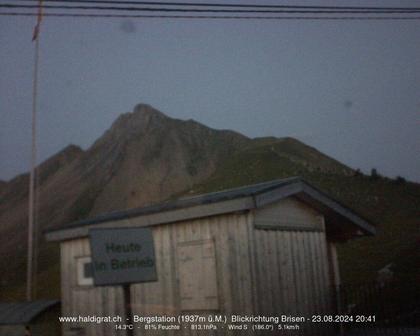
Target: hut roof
22,313
226,201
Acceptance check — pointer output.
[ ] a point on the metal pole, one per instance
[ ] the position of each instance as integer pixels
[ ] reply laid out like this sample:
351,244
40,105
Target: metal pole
128,311
32,177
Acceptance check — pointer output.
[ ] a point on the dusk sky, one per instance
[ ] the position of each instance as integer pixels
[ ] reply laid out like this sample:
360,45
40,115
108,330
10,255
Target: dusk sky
348,88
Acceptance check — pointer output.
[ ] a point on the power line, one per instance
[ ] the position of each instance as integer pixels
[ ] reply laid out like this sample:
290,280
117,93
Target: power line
232,5
189,10
216,17
321,12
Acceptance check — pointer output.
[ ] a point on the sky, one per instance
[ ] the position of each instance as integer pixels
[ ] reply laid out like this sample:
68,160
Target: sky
348,88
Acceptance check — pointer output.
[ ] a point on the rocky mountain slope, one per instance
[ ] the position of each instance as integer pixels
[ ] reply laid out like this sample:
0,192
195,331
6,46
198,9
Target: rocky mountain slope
143,158
147,157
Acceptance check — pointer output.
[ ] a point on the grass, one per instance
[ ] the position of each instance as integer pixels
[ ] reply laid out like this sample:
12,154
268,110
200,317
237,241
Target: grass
393,205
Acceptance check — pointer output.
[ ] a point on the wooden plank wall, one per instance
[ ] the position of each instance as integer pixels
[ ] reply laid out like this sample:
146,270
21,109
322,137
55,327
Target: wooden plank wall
292,275
288,214
86,300
230,236
291,265
260,271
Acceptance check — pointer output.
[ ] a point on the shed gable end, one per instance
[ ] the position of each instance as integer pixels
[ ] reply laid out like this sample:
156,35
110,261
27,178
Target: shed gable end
289,214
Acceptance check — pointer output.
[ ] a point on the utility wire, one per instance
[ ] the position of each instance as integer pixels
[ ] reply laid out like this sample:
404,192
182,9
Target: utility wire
321,12
233,5
216,17
189,10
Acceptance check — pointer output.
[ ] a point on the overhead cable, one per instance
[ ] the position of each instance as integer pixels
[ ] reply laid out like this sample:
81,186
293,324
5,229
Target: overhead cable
232,5
215,17
207,10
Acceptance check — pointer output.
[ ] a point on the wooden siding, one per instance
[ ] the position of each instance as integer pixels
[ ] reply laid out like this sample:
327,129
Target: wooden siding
290,259
289,214
292,275
233,269
282,270
86,300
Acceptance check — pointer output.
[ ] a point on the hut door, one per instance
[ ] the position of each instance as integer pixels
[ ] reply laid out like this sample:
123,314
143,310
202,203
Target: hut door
197,275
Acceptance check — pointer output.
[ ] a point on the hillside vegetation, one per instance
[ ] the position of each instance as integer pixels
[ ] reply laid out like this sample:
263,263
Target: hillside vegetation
392,205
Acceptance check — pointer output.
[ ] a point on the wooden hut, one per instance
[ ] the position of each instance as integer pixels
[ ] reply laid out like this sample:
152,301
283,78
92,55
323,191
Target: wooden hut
267,249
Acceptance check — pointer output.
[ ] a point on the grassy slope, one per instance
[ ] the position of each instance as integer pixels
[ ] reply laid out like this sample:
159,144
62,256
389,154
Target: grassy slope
393,206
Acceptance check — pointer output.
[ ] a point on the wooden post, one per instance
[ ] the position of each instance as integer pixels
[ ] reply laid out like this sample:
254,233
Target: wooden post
127,308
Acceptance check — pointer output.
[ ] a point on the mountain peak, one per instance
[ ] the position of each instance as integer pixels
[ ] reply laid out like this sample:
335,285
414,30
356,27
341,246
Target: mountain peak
146,109
146,115
142,116
131,124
